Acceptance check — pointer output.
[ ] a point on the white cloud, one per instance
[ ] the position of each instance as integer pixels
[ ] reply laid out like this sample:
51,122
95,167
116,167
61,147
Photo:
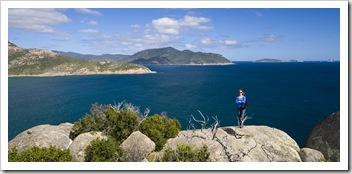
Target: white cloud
135,26
206,41
168,25
190,46
89,22
88,11
88,31
37,20
271,38
228,42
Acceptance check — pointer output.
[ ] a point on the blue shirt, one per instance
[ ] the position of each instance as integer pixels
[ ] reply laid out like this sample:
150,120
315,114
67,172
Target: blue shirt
240,101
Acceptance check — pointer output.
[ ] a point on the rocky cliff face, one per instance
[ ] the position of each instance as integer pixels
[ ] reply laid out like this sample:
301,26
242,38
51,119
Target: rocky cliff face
325,137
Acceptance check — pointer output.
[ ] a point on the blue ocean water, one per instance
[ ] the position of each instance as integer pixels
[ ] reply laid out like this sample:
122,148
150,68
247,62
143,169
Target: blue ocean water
292,97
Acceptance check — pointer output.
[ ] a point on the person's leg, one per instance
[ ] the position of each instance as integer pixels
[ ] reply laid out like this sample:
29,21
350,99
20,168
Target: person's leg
243,112
239,112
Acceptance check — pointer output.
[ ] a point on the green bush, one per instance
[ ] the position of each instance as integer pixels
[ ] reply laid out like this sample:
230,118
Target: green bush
86,124
186,153
121,124
36,154
118,124
101,150
159,129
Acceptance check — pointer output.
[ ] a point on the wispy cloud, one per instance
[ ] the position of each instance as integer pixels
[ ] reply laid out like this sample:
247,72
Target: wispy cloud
88,31
190,46
168,25
88,11
37,20
272,38
206,41
228,42
89,22
258,14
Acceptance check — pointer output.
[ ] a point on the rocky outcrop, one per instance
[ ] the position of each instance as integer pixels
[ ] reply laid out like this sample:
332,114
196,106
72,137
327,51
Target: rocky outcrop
325,137
311,155
226,144
81,142
137,147
43,136
247,144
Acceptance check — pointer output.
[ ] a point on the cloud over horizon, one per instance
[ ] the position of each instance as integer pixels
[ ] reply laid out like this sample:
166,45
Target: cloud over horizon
36,20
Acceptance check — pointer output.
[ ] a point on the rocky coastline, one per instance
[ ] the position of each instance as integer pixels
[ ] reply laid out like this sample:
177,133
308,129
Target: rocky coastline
57,74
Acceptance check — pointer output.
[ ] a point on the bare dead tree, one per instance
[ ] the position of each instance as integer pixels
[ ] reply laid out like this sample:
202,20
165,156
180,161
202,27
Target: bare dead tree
130,107
203,122
215,126
144,115
163,114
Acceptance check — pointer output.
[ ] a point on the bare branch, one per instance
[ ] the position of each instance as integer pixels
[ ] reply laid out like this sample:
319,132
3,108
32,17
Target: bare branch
203,122
164,113
215,126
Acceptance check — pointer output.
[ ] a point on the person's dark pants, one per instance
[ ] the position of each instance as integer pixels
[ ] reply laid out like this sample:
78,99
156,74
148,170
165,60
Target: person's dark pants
240,113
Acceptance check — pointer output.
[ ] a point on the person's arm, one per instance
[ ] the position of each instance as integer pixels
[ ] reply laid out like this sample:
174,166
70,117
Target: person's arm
238,101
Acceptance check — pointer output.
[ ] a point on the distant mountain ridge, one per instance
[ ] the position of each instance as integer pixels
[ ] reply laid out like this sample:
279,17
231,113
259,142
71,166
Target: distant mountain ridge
37,62
103,57
167,55
170,55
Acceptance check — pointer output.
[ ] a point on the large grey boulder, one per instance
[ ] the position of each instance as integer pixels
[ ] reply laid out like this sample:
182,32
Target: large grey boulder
311,155
81,142
247,144
137,147
43,136
325,137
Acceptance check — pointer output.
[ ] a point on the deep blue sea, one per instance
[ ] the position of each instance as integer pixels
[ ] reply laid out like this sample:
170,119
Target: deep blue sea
292,97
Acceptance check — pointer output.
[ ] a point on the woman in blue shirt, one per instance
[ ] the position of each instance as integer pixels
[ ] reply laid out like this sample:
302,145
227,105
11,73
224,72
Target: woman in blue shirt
241,102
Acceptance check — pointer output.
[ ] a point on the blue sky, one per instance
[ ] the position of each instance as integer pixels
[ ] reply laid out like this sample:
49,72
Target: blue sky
236,33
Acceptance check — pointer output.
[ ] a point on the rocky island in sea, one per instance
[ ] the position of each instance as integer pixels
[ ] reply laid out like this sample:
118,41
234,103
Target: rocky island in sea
37,62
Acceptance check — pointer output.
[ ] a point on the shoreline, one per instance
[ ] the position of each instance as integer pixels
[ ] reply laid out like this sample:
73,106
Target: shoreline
206,64
128,72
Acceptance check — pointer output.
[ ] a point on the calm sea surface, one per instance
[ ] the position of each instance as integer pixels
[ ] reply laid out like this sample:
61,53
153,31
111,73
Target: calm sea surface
292,97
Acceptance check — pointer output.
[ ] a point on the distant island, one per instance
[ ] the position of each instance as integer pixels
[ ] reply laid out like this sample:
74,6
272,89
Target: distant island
159,56
268,60
277,60
36,62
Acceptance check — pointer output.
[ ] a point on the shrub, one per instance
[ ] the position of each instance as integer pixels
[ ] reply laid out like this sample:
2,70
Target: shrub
101,150
118,124
36,154
186,153
86,124
159,129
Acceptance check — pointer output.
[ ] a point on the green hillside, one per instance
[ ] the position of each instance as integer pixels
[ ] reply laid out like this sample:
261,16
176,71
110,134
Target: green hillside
45,62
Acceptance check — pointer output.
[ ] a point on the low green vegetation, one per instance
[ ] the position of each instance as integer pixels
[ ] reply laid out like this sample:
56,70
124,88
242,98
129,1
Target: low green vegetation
116,123
36,154
186,153
159,129
101,150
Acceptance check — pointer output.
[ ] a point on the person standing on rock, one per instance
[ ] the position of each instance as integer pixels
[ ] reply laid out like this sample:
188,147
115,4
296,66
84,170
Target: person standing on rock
241,102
